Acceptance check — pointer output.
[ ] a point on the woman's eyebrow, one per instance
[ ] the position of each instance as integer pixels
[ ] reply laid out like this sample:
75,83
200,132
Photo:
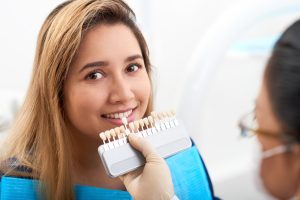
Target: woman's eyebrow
94,64
133,57
105,63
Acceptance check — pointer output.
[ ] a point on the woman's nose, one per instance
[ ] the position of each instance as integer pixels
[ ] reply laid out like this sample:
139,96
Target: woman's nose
121,91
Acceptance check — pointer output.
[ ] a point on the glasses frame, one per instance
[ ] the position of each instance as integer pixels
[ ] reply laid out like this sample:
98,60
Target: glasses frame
245,128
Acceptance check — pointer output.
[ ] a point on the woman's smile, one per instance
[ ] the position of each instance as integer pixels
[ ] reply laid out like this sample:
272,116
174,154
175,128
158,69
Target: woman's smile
116,117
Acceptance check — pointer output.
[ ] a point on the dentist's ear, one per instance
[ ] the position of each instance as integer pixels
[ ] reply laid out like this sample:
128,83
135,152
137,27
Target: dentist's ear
152,181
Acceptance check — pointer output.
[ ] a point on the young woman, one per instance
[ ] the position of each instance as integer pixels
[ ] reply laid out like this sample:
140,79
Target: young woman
91,68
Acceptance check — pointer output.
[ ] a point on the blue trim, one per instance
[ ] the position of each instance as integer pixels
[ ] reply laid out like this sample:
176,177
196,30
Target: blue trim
207,174
190,178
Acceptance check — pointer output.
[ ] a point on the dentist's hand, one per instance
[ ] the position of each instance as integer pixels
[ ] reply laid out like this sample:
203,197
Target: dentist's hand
153,181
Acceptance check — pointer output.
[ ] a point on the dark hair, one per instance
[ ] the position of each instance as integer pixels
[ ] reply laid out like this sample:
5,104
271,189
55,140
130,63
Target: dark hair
282,77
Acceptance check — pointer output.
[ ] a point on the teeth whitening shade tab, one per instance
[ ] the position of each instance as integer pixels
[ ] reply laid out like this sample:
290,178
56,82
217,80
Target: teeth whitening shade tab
164,132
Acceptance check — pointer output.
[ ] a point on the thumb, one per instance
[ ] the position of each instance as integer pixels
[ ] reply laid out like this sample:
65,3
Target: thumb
142,145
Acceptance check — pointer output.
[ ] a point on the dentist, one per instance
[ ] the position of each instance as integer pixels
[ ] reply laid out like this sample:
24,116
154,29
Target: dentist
275,121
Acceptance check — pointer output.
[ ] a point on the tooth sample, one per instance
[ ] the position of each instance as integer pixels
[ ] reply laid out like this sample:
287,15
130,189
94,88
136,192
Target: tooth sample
124,121
156,121
107,134
152,124
103,137
124,133
151,120
118,132
141,121
136,125
147,126
131,126
122,129
113,133
142,125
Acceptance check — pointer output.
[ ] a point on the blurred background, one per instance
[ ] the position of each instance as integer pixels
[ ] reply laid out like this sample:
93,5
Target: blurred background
208,58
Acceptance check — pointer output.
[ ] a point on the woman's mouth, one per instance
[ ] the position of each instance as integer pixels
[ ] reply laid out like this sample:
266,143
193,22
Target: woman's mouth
116,118
117,115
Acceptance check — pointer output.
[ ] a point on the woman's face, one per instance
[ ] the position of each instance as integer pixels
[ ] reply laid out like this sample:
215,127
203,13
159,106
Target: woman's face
107,80
279,173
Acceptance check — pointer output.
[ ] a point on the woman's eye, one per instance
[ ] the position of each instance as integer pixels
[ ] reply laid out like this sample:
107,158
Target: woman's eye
94,76
132,68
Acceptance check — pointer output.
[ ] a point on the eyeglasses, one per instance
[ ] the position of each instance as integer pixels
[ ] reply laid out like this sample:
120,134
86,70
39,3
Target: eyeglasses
249,127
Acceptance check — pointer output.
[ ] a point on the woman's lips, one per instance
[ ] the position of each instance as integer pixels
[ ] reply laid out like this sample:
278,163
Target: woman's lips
118,122
118,115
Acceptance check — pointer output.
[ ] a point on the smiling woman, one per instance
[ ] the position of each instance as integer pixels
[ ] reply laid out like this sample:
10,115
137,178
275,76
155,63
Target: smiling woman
91,68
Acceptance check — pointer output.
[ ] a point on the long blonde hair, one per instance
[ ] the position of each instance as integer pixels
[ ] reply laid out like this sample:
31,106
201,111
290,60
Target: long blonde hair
39,138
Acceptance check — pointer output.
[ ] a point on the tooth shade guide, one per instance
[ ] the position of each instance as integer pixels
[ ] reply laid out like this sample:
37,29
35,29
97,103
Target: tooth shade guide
143,127
124,159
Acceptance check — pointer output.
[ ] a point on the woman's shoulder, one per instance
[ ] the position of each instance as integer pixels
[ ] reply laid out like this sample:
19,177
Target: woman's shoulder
13,167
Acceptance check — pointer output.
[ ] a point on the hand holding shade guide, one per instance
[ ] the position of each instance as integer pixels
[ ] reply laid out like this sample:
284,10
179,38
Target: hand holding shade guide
163,130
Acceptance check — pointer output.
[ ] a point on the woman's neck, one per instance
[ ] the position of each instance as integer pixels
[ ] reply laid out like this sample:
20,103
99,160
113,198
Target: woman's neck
88,168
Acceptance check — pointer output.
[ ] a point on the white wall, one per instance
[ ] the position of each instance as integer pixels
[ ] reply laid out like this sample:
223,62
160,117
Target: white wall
172,29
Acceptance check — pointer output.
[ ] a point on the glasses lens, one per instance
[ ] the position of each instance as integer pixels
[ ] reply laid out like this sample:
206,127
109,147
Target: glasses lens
248,124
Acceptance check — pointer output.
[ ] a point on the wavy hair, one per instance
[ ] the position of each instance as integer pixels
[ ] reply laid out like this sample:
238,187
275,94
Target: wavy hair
39,139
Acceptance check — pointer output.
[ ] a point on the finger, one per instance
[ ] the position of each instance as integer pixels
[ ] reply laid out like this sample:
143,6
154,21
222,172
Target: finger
122,178
128,177
142,145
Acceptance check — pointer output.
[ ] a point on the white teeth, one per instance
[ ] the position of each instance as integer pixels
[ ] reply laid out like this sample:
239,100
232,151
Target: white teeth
118,115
